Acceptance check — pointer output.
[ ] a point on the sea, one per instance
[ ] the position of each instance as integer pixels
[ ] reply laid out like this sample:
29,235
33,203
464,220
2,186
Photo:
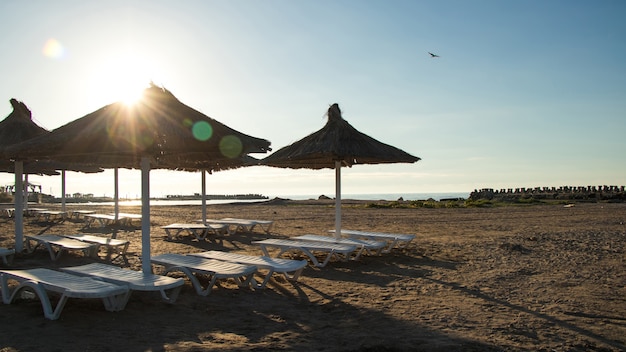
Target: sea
376,196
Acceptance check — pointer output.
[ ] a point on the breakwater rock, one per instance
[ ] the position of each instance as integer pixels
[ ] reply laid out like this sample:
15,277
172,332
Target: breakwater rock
579,193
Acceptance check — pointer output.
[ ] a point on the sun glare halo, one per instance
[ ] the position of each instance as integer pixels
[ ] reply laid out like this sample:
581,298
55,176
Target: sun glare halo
121,79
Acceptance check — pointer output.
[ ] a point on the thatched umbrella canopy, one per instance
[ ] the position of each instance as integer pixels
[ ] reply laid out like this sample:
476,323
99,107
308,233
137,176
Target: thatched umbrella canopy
157,132
48,167
18,127
337,144
171,134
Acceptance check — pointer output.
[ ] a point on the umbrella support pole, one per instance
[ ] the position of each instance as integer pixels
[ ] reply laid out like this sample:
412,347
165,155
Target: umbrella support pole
337,199
203,196
63,190
116,193
19,207
146,264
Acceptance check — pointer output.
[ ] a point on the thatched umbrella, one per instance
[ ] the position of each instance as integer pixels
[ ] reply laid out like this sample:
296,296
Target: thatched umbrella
337,144
18,127
157,132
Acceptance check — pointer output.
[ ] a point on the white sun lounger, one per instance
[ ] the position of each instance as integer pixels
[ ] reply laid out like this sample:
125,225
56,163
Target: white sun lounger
102,219
265,225
214,269
338,250
40,281
127,218
169,287
76,214
288,267
393,239
199,231
369,246
112,245
7,255
51,215
56,245
232,225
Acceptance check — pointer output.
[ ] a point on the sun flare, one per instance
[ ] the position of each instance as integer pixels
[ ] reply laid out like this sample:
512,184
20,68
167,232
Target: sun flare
121,79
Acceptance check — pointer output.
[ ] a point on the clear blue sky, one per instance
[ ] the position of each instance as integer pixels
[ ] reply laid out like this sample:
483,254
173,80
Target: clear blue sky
524,93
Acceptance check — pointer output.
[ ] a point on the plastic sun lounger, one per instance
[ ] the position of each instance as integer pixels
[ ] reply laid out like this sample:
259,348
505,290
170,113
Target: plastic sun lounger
10,212
199,231
51,215
238,224
266,225
33,211
169,287
76,214
61,244
290,268
341,251
7,255
40,281
214,269
112,245
102,219
127,218
369,246
393,239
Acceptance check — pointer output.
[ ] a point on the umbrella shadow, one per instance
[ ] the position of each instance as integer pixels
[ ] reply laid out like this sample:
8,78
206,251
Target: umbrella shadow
378,271
309,319
240,240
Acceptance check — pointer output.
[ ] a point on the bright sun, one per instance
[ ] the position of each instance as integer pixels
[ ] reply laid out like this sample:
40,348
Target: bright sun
121,78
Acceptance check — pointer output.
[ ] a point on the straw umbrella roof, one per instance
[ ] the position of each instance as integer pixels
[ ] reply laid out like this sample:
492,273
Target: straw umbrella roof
19,126
336,141
48,167
172,134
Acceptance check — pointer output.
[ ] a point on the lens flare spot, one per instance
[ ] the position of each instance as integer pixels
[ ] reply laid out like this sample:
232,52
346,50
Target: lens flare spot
53,49
202,131
230,146
187,122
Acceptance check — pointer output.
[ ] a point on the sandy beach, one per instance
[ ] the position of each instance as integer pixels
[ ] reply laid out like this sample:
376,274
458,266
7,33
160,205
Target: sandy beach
514,278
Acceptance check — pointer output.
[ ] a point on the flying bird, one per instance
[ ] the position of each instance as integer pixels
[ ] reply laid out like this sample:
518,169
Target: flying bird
433,55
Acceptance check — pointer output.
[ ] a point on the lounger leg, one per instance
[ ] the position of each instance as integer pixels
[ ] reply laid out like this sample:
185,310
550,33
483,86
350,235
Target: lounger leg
391,246
4,290
7,259
266,279
29,247
264,250
294,276
199,236
244,281
54,256
173,295
48,311
314,259
194,280
358,253
116,303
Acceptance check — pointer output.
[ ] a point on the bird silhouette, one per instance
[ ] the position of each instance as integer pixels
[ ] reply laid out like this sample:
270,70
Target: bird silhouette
433,55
